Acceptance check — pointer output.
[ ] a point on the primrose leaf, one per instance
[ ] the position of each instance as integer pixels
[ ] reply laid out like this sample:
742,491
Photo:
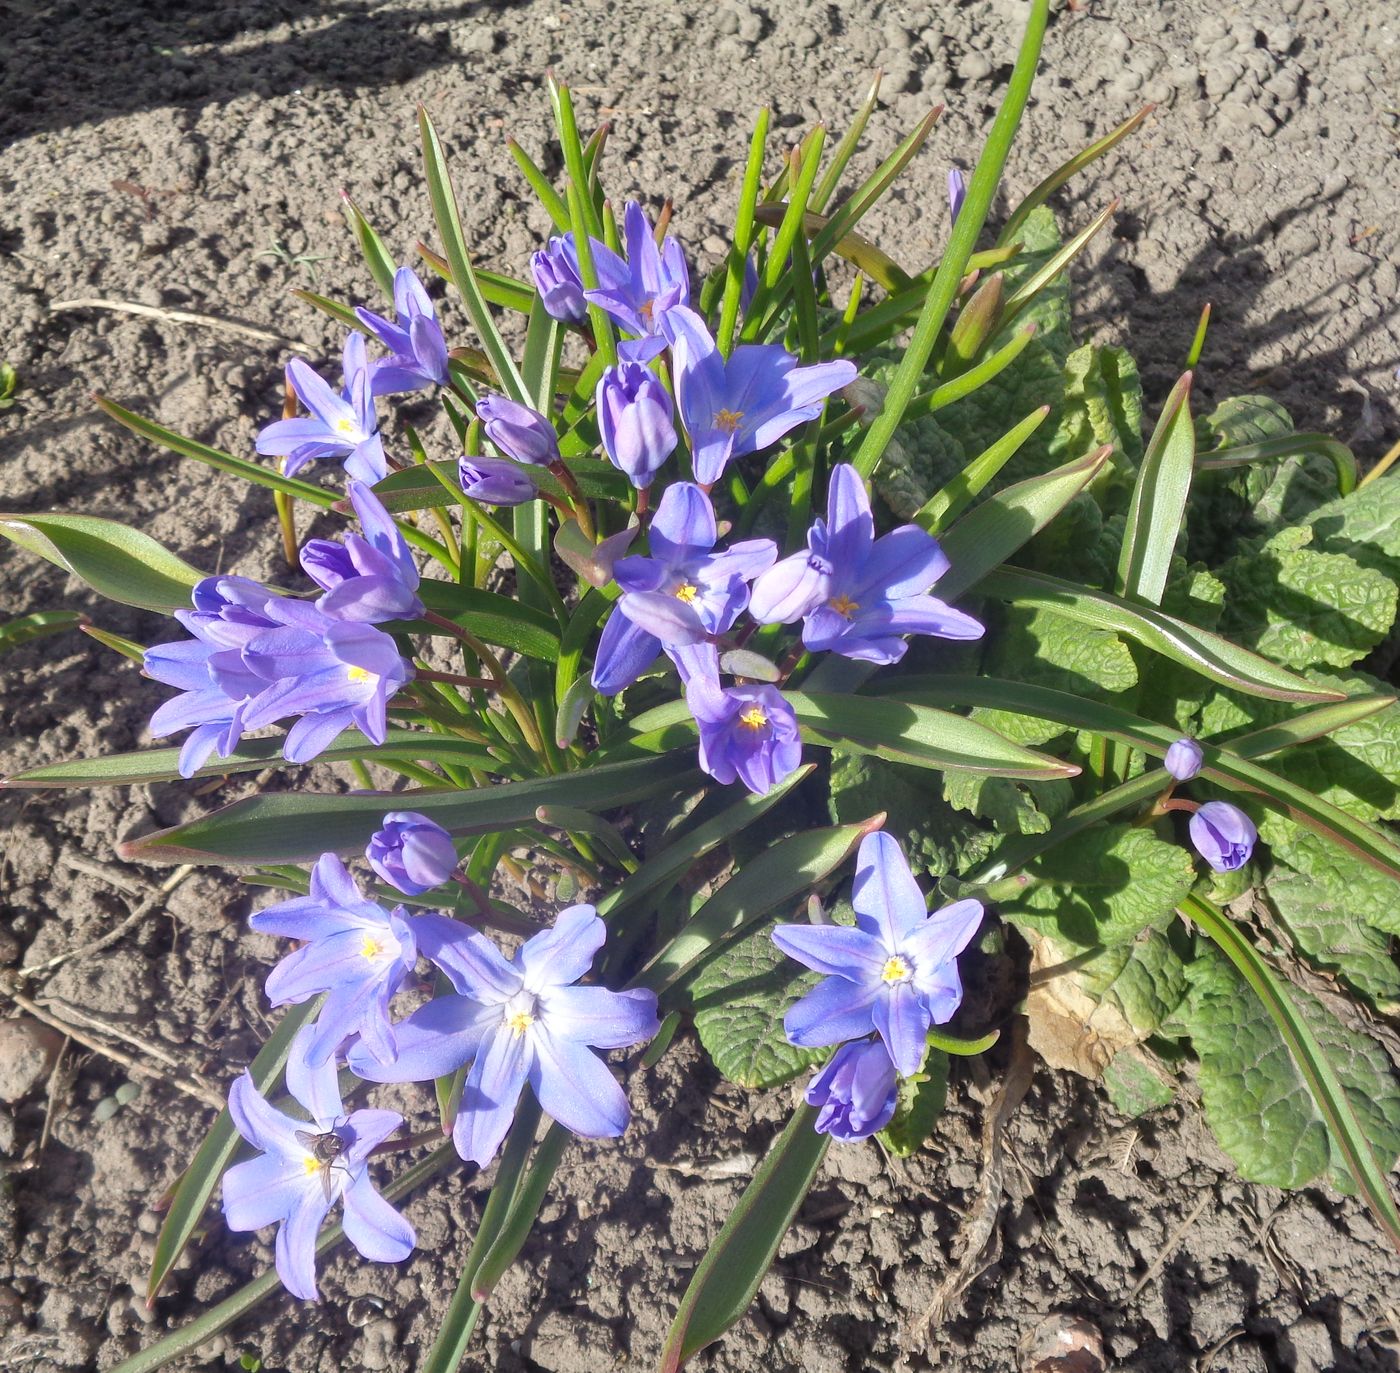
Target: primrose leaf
1012,809
1256,1100
1110,883
1301,607
1102,403
1338,879
1239,420
1138,1082
740,1000
1041,646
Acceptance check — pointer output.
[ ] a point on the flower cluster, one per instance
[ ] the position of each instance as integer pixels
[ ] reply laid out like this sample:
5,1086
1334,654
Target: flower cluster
258,656
514,1020
1220,832
894,974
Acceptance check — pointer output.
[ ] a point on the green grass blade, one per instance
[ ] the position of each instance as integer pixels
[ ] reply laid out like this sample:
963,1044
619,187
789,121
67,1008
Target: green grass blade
743,234
845,149
552,201
930,402
729,1275
382,266
951,269
1311,1059
953,499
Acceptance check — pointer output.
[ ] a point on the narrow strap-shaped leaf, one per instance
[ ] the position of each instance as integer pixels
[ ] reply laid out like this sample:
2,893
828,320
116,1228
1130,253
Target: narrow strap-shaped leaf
382,266
499,289
449,223
1311,1059
930,402
899,730
1286,446
944,287
499,620
552,201
1211,655
779,874
1159,501
297,827
845,149
214,457
991,532
41,623
743,234
1056,263
729,1275
1065,171
948,503
196,1186
336,310
116,561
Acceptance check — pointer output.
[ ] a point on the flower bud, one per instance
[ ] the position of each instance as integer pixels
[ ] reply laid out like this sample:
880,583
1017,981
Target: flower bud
1183,759
411,852
856,1092
635,418
493,481
1223,835
518,431
557,279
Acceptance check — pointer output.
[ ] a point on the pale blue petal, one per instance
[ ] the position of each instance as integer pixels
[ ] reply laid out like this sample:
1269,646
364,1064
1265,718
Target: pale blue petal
575,1087
373,1226
887,900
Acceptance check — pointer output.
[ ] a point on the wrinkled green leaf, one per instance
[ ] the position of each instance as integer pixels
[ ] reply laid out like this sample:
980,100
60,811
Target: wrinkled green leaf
922,1098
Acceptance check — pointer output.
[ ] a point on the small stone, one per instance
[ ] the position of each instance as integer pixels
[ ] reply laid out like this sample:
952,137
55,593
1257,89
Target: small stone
1312,1347
974,66
11,1308
380,1345
27,1053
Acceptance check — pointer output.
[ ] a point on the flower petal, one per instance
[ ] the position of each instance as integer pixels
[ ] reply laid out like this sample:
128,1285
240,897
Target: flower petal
888,901
597,1016
902,1021
260,1123
296,1244
316,1086
835,950
490,1096
473,964
561,955
684,524
262,1191
944,935
434,1041
575,1087
833,1011
373,1226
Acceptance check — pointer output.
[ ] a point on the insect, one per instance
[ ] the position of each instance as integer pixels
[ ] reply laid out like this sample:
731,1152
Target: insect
325,1148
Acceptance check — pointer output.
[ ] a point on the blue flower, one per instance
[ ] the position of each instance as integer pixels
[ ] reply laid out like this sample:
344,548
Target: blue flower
494,481
957,193
855,593
418,352
411,852
515,1021
895,972
638,294
857,1091
305,1166
635,421
555,271
355,952
518,431
680,595
748,732
1184,759
370,576
341,425
1223,835
737,406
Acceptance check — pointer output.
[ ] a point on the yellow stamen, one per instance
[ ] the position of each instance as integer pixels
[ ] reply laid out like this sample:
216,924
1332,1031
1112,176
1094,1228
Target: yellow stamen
728,420
844,605
687,591
896,970
371,948
755,717
359,674
312,1164
520,1021
347,427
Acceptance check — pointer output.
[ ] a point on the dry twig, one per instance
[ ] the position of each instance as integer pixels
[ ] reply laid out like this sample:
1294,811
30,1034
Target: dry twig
132,307
1169,1247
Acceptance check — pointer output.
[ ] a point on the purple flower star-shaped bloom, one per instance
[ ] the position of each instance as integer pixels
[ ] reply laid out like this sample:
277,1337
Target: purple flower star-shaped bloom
418,352
856,1091
494,481
556,275
215,687
895,972
369,576
748,732
1183,760
637,294
515,1021
356,952
681,594
341,424
742,404
635,419
411,852
857,594
304,1167
332,673
518,431
1223,835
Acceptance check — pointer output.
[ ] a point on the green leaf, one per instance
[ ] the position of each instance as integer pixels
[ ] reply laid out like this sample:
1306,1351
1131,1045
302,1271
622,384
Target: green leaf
740,999
418,488
117,562
1011,807
918,734
251,755
377,257
1240,420
922,1098
197,1183
1260,1104
1038,644
1144,980
1302,607
39,625
957,494
1159,501
727,1277
1364,525
1111,883
499,620
297,827
1137,1082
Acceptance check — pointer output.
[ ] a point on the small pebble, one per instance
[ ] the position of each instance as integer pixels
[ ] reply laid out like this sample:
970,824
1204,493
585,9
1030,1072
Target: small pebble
974,66
27,1053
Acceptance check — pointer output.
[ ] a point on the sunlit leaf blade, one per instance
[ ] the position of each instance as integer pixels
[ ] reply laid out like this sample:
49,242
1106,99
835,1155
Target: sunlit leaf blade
37,626
959,493
961,242
116,561
964,385
1286,446
449,222
552,201
214,457
916,734
729,1275
860,252
1327,1090
845,149
498,620
252,755
991,532
506,291
298,827
1057,262
1159,501
377,257
1201,650
781,873
334,309
196,1186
